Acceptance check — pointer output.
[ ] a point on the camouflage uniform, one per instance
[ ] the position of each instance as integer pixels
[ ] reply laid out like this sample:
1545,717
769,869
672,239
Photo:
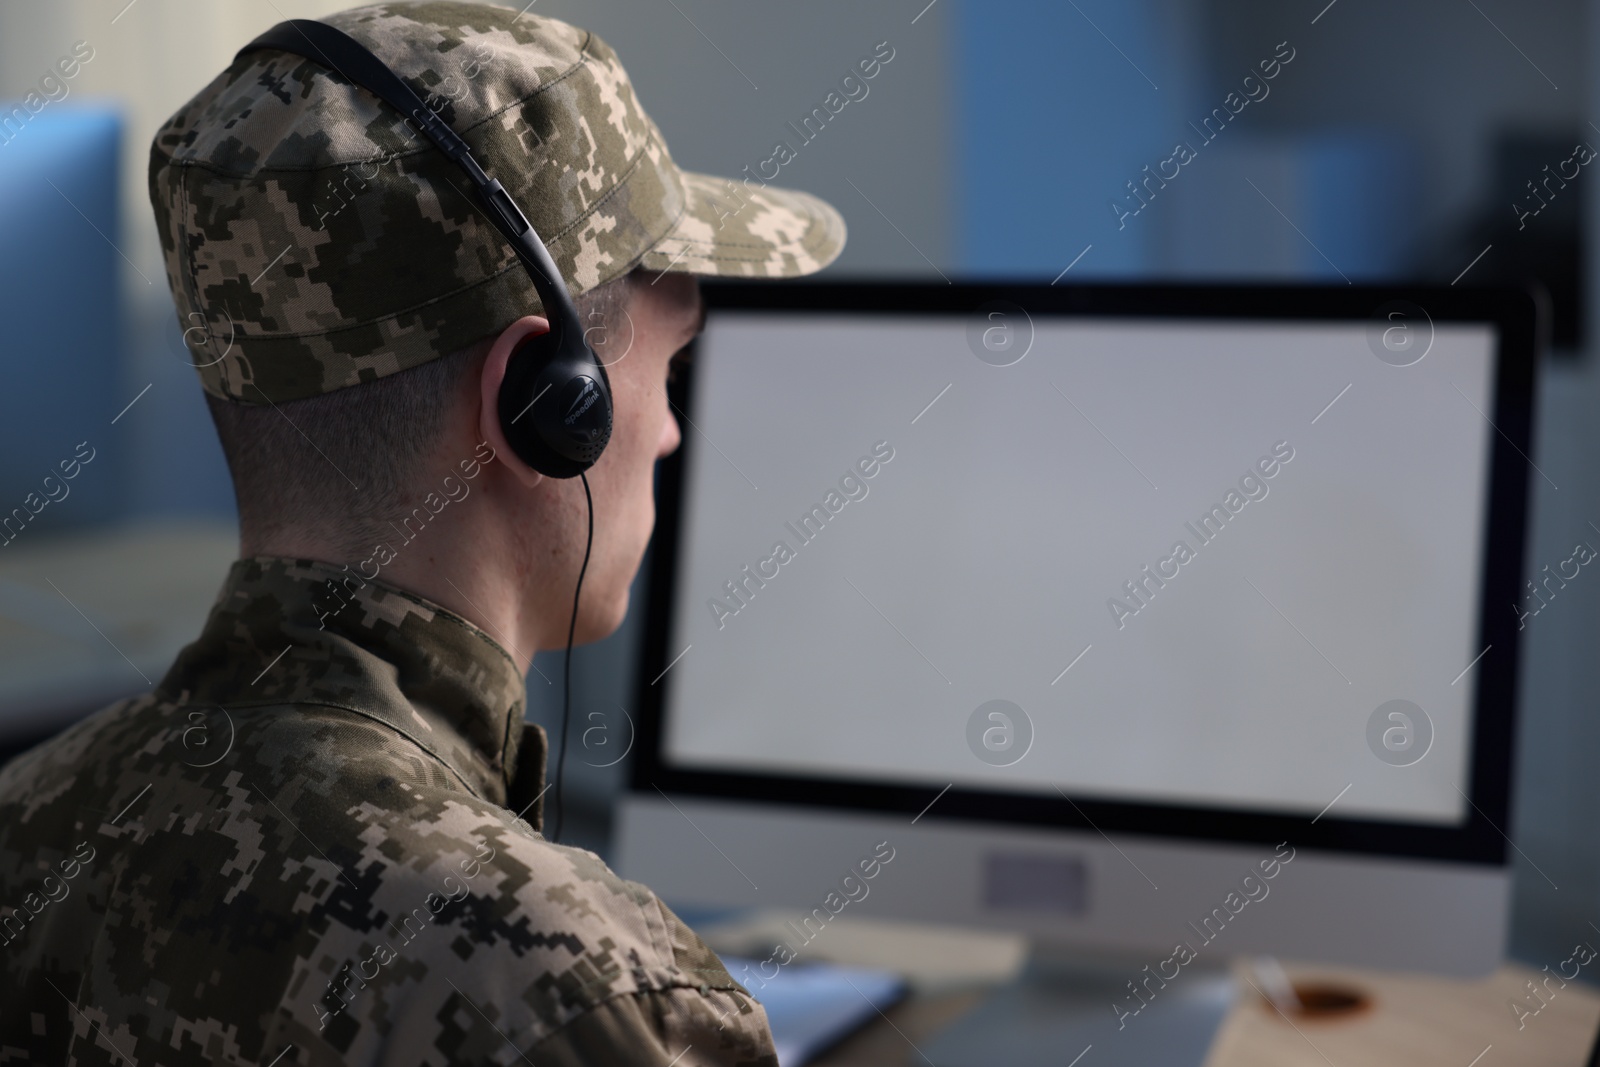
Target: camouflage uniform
297,850
308,844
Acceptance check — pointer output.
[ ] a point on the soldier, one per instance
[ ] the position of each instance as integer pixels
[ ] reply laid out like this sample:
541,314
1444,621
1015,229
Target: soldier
316,841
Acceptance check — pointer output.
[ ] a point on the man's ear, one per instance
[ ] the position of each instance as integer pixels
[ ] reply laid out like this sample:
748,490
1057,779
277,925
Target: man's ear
494,372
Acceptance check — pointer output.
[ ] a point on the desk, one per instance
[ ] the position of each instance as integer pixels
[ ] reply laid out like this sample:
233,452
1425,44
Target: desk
1415,1021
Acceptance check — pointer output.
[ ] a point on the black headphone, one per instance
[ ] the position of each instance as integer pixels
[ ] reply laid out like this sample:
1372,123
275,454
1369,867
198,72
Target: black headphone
564,436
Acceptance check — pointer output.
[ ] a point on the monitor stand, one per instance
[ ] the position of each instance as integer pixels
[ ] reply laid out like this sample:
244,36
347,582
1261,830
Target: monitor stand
1061,1005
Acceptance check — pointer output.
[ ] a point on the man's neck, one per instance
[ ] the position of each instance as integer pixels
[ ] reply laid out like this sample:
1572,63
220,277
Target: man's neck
471,567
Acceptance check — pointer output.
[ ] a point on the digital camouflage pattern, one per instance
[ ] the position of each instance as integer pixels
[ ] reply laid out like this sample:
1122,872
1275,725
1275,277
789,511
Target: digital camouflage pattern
296,850
313,242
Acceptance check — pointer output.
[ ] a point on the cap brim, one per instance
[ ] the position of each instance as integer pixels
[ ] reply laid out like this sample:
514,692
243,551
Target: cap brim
743,229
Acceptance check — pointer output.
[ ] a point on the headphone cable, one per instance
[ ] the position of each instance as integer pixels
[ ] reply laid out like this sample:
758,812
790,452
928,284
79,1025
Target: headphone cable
566,676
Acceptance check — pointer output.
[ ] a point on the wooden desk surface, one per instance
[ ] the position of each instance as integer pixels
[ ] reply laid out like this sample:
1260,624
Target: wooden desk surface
1420,1021
1414,1021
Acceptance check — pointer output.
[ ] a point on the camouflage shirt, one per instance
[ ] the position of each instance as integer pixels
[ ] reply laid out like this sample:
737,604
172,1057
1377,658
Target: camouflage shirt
305,847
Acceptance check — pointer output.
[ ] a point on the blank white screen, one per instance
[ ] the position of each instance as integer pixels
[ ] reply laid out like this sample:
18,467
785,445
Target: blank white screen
982,558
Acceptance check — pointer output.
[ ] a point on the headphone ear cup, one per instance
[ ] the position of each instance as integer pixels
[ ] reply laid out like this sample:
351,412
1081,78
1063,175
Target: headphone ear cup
555,404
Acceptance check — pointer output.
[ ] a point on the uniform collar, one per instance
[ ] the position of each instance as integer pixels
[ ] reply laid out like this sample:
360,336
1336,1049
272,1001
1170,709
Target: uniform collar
288,631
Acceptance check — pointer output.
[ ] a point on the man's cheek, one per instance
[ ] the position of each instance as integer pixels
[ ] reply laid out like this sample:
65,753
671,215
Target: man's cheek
672,435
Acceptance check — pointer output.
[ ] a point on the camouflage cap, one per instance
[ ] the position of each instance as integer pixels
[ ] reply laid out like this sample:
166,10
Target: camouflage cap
313,240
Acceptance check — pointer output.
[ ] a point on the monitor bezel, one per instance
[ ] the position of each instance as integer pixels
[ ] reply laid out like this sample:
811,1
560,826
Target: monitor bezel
1517,319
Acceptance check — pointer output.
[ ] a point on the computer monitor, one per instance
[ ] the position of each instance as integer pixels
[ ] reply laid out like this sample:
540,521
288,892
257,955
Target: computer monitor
1126,617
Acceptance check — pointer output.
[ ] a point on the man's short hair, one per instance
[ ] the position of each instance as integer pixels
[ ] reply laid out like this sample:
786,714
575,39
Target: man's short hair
350,462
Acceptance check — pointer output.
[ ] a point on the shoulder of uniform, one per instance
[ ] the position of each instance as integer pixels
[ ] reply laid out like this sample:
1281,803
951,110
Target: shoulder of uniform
460,897
538,896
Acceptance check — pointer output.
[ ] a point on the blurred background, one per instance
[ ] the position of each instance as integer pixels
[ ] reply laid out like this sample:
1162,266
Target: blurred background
1403,140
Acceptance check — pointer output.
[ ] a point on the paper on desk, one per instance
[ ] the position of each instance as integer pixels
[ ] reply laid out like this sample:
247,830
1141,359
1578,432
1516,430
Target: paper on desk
933,959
